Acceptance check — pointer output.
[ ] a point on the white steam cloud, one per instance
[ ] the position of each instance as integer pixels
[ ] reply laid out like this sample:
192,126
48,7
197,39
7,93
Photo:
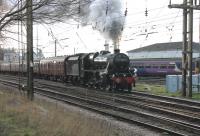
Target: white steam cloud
106,16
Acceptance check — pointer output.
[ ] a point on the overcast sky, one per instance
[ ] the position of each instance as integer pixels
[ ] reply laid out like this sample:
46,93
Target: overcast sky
161,25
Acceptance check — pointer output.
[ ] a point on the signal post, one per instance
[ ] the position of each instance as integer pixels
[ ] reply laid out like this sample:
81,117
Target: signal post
188,6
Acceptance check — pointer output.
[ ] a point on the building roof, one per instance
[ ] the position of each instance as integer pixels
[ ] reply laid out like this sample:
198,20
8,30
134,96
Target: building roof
170,46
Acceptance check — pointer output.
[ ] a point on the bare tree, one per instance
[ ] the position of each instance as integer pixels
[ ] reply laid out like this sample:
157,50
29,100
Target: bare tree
44,11
105,16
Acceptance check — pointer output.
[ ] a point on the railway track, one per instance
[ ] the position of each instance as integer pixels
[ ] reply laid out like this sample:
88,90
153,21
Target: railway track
123,103
128,108
95,106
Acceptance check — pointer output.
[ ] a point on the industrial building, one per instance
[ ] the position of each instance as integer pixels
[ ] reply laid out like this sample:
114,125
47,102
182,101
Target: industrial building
168,50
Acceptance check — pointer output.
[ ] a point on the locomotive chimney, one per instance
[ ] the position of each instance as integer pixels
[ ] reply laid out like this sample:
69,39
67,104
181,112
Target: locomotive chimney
106,46
116,47
116,51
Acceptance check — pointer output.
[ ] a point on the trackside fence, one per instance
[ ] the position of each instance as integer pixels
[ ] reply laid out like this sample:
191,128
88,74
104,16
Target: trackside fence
174,83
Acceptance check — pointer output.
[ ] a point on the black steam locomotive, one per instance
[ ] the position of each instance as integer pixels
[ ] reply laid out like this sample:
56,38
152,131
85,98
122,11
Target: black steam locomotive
100,70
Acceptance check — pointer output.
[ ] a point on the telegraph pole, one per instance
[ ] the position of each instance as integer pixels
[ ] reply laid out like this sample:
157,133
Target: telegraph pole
55,47
37,44
184,47
30,91
190,41
188,8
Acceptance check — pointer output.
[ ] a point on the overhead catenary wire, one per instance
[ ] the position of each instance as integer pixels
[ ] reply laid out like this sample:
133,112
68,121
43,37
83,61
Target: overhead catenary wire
133,25
127,25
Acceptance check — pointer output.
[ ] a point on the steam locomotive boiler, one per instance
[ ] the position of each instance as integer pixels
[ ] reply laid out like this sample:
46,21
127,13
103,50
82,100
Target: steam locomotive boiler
110,71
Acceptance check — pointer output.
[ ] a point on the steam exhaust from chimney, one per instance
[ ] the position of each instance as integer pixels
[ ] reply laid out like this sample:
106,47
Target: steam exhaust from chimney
106,16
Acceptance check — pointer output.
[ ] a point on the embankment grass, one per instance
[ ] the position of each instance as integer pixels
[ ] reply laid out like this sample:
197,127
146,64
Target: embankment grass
161,90
20,117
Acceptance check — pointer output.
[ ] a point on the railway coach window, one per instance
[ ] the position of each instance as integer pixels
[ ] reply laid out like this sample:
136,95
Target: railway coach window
155,66
171,67
147,66
162,67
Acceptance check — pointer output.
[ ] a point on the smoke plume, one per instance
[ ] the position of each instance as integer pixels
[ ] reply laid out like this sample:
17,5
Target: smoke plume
105,16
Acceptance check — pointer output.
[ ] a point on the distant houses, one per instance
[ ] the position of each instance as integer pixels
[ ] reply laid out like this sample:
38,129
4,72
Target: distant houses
8,55
12,55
